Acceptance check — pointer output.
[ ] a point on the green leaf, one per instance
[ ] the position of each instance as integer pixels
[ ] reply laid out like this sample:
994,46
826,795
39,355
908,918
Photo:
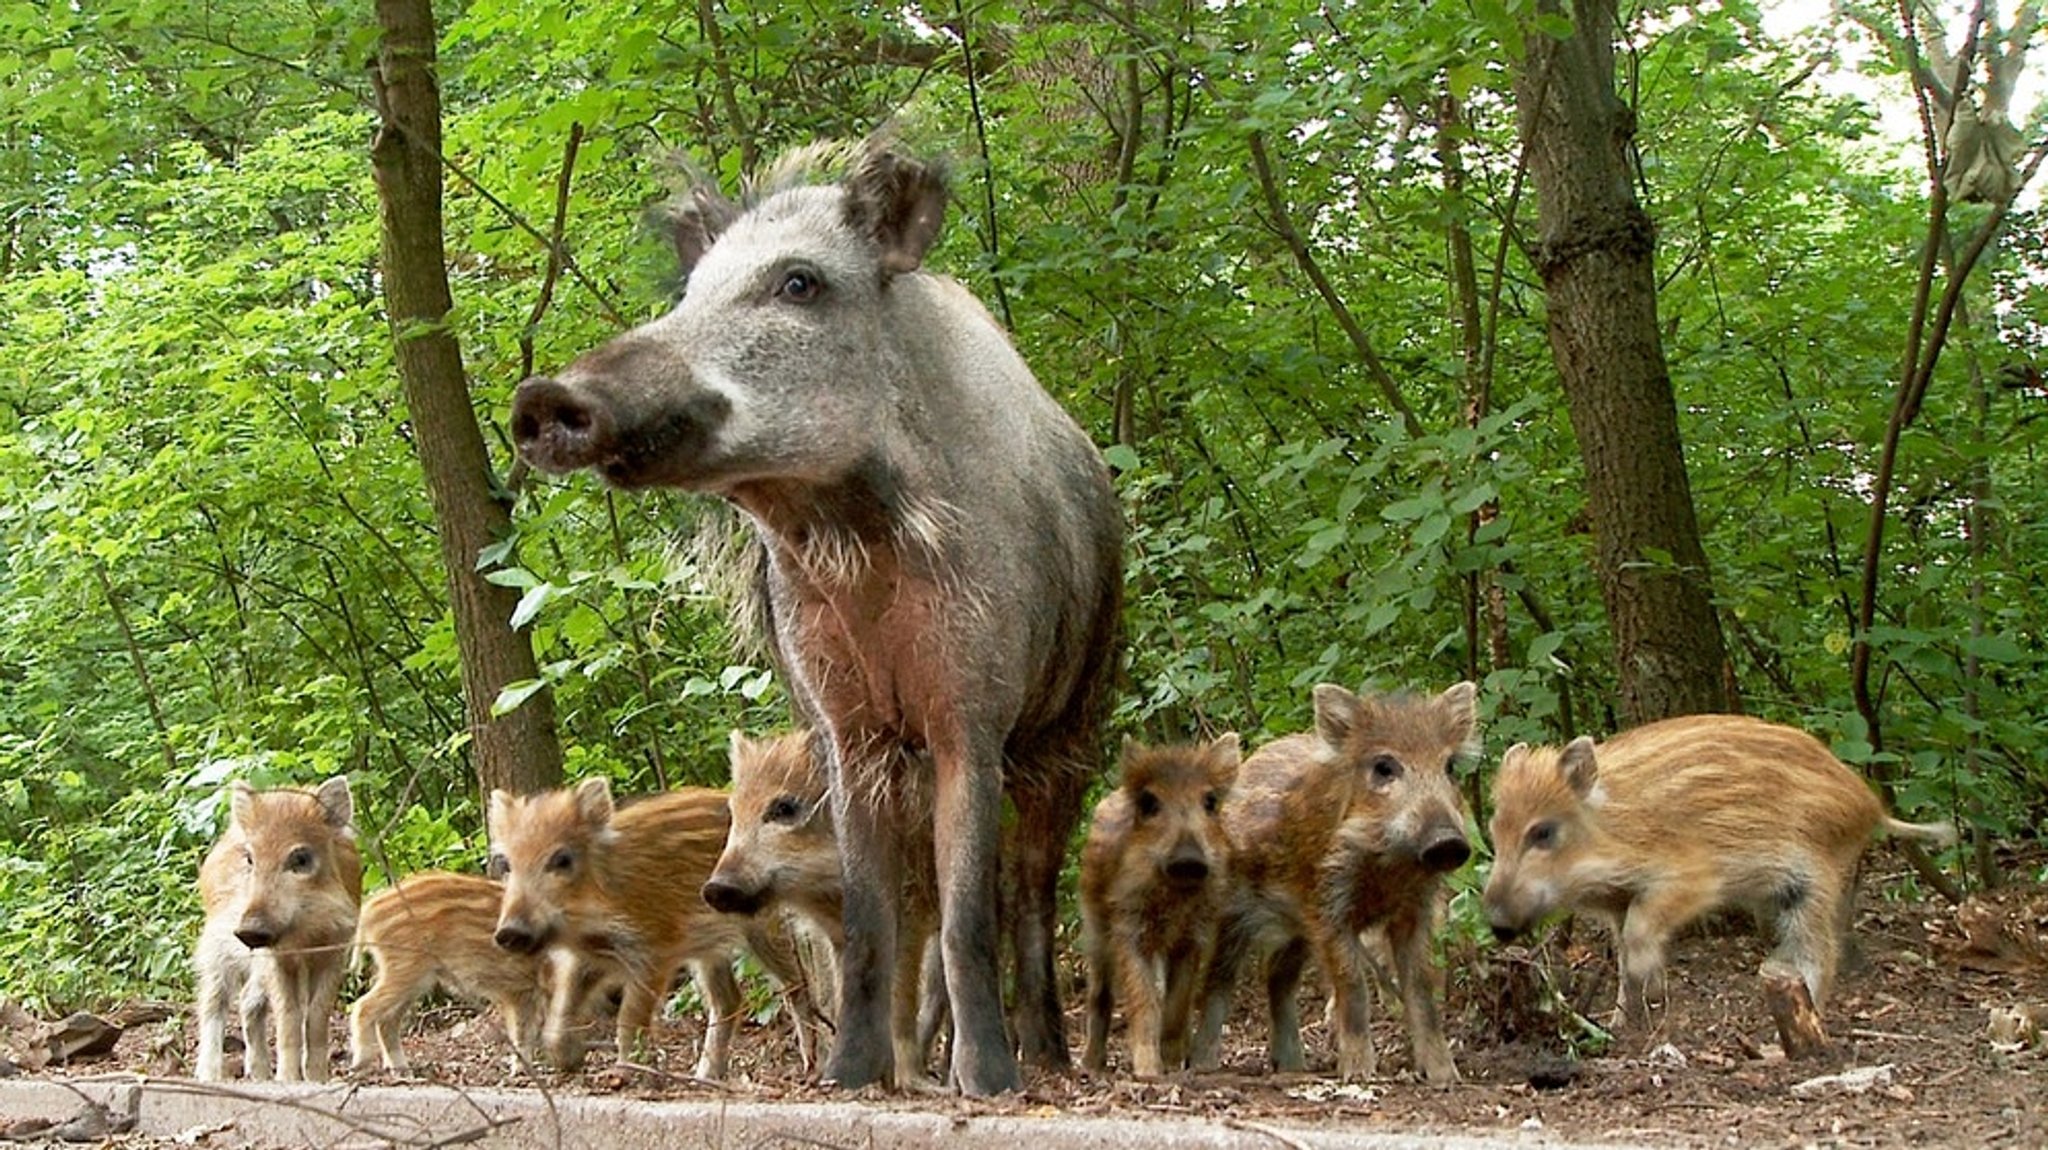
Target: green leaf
511,695
531,603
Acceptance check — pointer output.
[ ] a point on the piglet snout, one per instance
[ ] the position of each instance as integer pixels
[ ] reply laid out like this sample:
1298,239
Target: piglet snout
1446,852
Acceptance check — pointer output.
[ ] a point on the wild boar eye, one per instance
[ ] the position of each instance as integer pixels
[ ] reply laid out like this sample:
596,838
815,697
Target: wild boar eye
1541,837
561,861
1211,802
497,866
799,286
1148,804
1386,769
299,861
783,810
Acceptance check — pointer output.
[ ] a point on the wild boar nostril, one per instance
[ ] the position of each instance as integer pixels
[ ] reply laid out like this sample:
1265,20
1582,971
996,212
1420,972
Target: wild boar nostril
1446,855
515,940
1504,933
555,427
256,939
1187,869
725,898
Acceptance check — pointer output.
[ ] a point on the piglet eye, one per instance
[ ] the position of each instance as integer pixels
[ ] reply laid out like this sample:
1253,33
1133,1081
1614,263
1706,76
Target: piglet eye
783,810
1148,804
1386,769
1542,836
497,866
561,861
299,861
1211,803
799,286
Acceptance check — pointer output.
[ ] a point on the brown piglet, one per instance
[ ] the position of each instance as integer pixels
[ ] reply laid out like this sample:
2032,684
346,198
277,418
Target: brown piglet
1661,824
1154,874
618,886
1335,833
782,855
281,889
435,929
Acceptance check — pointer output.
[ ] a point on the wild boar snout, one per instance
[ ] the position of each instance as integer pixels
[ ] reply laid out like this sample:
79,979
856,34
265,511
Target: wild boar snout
256,935
1445,850
516,938
1188,862
727,897
1505,931
559,428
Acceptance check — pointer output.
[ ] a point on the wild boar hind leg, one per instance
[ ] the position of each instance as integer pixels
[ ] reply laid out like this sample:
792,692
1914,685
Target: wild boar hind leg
1049,802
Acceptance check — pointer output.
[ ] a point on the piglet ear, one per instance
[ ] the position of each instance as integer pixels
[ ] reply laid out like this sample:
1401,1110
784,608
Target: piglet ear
695,220
1581,772
898,202
336,802
498,811
594,801
1338,714
1225,756
241,803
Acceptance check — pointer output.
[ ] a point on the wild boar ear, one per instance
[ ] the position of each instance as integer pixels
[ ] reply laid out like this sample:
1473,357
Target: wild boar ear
1515,756
336,802
498,809
898,202
1338,713
1129,749
695,221
241,802
1461,707
1225,757
1227,749
594,800
738,744
1581,773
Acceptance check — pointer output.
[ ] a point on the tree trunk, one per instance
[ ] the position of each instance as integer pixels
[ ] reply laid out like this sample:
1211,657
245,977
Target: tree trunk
1594,255
517,751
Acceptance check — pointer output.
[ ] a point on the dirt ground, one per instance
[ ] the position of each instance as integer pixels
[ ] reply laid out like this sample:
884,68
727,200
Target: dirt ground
1915,1021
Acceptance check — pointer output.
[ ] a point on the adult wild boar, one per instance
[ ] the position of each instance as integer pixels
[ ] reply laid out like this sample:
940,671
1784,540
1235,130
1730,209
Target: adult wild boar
942,570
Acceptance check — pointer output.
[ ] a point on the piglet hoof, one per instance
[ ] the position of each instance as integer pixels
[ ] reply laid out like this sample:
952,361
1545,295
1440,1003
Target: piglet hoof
1799,1026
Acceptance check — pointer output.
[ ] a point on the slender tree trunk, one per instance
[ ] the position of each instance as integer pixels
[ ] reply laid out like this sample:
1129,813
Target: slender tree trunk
1594,256
517,751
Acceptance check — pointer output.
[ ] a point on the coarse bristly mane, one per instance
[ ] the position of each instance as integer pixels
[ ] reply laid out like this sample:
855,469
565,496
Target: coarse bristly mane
818,163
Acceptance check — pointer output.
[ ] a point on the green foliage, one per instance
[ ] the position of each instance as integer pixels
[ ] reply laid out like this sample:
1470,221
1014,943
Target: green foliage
217,560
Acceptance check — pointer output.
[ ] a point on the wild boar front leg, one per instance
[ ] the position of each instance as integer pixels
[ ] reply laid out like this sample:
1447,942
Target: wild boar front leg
256,1019
1186,966
721,994
1408,937
967,812
1102,975
1646,928
1138,982
322,980
1233,947
1283,1006
217,990
869,848
1344,963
